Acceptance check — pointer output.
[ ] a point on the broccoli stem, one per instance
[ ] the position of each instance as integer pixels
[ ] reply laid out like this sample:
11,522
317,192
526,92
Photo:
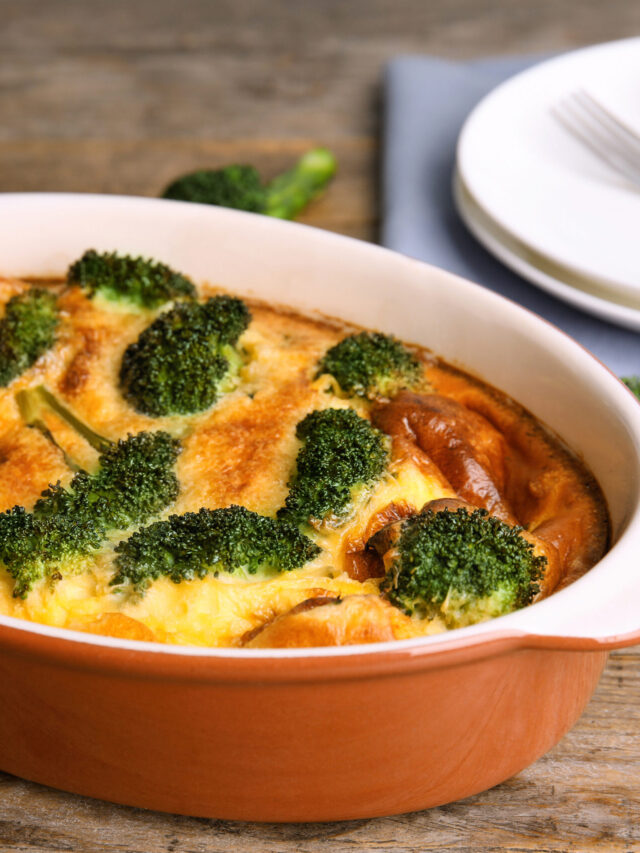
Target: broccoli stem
290,192
30,402
30,411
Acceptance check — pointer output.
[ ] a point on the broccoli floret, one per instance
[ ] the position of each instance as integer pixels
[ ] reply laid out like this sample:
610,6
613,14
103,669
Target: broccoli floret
222,540
462,566
632,382
233,186
27,331
342,453
241,187
370,364
134,481
32,548
120,278
186,358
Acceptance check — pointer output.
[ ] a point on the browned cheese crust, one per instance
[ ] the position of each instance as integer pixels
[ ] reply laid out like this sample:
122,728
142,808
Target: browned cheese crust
454,438
318,622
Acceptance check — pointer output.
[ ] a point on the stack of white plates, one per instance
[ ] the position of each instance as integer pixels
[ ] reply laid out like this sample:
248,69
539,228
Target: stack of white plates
543,202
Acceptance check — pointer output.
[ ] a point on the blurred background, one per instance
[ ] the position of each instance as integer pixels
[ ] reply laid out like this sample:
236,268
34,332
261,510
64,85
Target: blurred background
120,96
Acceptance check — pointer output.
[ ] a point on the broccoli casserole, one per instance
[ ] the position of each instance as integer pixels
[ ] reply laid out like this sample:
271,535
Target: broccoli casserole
181,465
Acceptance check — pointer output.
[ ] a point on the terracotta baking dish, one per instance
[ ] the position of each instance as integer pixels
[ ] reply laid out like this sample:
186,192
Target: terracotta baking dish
336,733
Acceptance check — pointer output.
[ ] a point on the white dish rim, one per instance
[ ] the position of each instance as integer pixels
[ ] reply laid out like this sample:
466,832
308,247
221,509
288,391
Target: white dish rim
522,623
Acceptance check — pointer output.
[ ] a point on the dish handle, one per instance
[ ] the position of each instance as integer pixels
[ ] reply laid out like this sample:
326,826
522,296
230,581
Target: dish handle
613,622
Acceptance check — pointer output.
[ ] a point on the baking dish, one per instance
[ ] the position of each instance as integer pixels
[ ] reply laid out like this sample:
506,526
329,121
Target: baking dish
326,734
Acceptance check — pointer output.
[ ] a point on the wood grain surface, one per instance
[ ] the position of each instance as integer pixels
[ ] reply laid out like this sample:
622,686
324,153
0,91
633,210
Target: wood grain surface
121,97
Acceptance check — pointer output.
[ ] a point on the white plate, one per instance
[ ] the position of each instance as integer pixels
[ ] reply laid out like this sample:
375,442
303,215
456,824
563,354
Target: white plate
541,186
512,255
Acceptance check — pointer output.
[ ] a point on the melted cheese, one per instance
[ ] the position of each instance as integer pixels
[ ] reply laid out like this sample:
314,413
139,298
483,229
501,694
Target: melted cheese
404,484
240,451
243,451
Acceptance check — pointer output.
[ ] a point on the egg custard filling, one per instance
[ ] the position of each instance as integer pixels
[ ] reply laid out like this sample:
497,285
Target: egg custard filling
183,466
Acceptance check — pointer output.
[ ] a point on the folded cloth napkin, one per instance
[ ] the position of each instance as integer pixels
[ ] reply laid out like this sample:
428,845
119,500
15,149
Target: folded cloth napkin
427,101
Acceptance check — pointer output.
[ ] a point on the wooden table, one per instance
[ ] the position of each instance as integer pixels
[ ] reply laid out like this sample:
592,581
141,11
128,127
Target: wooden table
122,96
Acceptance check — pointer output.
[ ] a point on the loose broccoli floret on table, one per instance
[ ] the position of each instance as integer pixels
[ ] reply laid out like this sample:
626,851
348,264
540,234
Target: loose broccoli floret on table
210,541
233,186
462,566
370,364
290,192
27,331
186,358
240,186
140,281
134,481
342,453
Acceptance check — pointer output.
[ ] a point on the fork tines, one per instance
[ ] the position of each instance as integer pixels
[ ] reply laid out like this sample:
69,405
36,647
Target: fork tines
602,132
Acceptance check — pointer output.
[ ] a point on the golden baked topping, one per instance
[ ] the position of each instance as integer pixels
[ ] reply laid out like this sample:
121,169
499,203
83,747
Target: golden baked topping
217,471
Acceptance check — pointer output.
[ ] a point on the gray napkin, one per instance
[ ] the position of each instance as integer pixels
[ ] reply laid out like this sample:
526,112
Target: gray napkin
427,101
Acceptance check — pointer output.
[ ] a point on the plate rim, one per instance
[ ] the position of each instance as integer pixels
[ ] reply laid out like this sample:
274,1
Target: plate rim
491,235
622,288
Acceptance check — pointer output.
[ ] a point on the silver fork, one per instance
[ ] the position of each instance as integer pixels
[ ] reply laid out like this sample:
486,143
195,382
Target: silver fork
596,127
